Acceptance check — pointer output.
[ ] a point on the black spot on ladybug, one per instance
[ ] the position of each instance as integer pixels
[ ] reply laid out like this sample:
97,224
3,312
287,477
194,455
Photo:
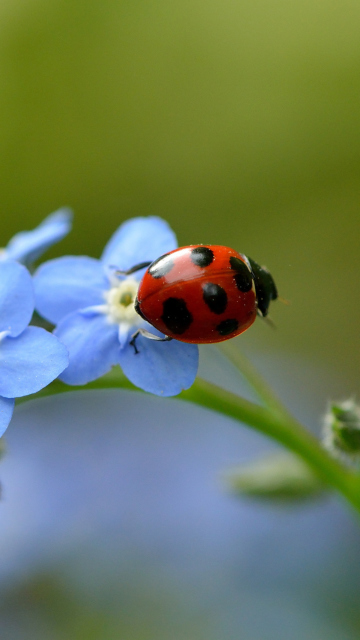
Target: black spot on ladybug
215,297
202,256
227,326
176,315
161,266
243,277
138,310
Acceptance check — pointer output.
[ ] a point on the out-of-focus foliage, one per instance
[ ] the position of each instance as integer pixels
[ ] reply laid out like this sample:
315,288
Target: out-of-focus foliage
341,429
276,478
236,121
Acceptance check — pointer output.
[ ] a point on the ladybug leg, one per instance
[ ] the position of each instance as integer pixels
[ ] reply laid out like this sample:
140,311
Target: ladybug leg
146,334
137,267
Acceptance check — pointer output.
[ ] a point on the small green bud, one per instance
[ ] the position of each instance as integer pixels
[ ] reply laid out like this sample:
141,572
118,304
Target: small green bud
280,477
342,429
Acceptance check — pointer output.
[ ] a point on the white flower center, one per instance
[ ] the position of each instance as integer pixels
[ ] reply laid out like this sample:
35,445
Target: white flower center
120,302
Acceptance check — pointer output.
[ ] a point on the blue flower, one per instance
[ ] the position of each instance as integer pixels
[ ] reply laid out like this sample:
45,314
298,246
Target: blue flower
93,309
30,357
28,246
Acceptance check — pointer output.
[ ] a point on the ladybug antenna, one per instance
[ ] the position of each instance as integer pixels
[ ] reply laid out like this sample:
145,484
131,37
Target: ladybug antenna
133,269
269,321
284,301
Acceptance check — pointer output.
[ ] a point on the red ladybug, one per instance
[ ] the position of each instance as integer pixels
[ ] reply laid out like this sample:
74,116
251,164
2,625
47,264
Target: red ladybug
203,294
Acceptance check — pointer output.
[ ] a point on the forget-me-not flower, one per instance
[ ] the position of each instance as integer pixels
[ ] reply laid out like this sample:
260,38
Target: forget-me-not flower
28,246
30,357
93,308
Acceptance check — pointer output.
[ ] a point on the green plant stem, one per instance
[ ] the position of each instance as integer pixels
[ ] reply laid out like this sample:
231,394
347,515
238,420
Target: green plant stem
257,382
287,431
282,428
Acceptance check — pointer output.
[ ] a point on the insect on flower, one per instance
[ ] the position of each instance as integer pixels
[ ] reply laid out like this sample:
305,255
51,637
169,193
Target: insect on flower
104,310
91,302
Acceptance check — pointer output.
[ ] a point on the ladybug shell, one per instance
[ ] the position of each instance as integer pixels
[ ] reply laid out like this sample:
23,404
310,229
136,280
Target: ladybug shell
199,294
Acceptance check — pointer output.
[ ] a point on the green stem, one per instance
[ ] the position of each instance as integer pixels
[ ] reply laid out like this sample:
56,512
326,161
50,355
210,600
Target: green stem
297,439
282,428
287,432
259,385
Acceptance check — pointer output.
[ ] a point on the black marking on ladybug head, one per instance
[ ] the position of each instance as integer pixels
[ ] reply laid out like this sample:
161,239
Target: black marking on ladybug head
138,310
215,297
202,256
161,266
265,287
176,316
243,277
227,326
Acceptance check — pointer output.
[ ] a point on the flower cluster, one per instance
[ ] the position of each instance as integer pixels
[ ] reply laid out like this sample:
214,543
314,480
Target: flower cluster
30,357
91,304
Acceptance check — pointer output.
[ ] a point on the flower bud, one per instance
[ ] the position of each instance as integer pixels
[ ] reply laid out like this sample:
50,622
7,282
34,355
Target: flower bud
279,477
2,447
342,429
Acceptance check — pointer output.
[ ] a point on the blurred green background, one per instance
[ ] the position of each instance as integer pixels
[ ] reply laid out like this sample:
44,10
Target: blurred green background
238,122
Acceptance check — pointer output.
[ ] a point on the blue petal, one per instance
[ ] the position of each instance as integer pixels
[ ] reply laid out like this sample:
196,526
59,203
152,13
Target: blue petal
93,346
139,240
28,246
67,284
162,368
16,297
6,411
30,362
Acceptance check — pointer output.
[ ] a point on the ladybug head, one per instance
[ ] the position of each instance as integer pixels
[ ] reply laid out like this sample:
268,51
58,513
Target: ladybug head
265,287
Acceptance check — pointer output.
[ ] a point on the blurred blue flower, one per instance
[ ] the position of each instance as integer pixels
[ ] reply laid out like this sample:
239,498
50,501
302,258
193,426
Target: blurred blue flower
93,308
28,246
30,357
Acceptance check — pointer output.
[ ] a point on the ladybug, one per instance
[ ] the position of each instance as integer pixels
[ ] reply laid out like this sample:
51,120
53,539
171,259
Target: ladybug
203,294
